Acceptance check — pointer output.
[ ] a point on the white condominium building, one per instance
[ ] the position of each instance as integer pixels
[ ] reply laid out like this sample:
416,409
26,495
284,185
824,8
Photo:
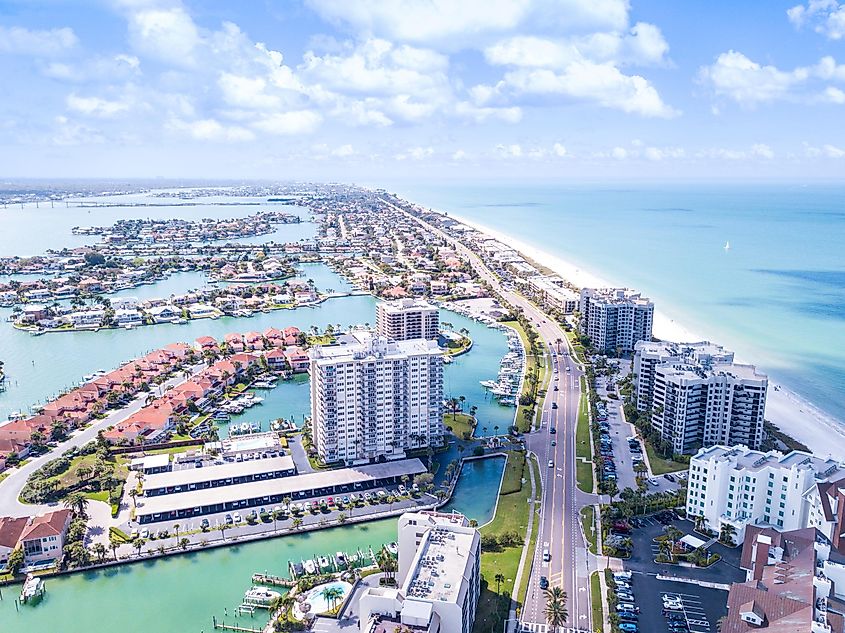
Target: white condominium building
552,292
438,582
739,487
372,398
405,319
694,406
648,355
615,318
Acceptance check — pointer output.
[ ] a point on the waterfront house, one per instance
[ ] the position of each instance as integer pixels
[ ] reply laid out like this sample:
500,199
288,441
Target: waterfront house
43,537
164,313
253,341
291,335
297,358
87,318
203,311
34,312
125,317
10,535
204,343
21,430
124,303
234,341
276,360
274,337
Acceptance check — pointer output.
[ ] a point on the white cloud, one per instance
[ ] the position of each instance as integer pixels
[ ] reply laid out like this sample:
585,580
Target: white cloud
168,35
246,92
603,84
211,130
456,25
513,150
21,41
827,150
459,155
95,106
619,153
642,44
289,123
826,16
343,151
70,132
761,150
415,153
559,150
736,77
96,69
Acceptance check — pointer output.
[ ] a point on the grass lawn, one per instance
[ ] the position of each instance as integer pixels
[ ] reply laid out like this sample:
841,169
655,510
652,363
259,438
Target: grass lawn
584,475
460,347
173,450
660,466
102,495
577,348
535,533
323,339
514,472
460,423
583,451
595,601
511,514
587,523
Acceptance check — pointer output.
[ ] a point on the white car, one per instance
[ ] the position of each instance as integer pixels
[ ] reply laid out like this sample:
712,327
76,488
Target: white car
237,517
551,464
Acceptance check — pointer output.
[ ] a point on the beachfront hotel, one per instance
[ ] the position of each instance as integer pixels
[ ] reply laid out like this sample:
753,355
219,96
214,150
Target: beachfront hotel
374,398
438,582
739,486
614,319
694,405
551,292
406,319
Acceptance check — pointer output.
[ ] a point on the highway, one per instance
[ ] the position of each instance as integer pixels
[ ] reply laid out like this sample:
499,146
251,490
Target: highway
567,566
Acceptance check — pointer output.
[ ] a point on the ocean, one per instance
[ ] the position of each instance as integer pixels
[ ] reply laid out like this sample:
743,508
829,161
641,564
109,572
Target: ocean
776,296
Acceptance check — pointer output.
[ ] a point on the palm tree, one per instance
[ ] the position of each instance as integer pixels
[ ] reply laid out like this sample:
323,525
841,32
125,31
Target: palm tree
139,544
100,550
331,595
114,543
77,502
555,610
297,523
176,529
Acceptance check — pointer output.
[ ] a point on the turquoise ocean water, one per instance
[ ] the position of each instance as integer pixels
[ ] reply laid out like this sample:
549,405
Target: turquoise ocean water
777,296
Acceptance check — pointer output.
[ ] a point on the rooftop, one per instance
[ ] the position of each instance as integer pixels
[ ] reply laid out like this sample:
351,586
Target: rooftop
188,476
401,305
283,486
441,562
745,458
365,345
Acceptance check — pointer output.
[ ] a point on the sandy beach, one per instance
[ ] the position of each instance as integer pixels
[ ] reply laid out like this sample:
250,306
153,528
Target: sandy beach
794,415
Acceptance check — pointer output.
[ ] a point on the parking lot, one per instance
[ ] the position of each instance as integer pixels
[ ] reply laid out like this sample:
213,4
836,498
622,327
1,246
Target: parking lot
694,608
234,523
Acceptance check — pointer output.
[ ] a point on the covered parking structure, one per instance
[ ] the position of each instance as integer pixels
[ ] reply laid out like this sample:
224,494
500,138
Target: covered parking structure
229,474
193,503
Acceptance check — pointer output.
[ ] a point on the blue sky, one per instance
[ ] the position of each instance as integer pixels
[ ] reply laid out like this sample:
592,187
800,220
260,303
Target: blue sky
376,90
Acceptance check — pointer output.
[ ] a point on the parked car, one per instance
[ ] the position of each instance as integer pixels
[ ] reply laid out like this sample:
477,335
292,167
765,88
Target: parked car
629,627
237,517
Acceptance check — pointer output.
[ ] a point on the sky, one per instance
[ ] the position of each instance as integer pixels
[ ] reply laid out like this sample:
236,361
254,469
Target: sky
351,90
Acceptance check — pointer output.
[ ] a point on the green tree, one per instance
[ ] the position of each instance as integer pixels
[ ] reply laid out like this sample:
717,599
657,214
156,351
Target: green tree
76,502
16,561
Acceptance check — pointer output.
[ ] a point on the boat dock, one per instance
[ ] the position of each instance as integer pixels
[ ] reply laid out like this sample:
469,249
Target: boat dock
233,627
274,581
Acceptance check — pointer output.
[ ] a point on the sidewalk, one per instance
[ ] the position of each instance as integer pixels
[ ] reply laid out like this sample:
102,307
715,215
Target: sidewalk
512,618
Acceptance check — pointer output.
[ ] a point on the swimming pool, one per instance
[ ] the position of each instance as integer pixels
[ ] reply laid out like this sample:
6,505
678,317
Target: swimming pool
318,602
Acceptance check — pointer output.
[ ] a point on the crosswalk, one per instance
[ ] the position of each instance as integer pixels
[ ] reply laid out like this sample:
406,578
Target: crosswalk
538,627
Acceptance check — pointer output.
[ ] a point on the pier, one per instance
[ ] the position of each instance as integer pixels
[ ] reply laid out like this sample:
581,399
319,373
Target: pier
273,581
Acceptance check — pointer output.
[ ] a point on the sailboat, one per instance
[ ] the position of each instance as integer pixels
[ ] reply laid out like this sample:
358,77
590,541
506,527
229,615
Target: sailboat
727,246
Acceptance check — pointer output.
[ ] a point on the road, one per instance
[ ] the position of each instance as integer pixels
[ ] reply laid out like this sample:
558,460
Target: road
11,487
561,503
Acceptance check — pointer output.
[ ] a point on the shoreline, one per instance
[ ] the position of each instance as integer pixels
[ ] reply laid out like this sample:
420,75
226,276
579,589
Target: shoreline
791,413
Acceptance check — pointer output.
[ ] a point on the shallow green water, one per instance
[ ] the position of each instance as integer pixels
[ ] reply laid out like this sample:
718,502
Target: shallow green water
181,593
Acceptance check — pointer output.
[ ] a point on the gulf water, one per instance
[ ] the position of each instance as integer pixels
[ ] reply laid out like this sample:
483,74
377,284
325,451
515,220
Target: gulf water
777,296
